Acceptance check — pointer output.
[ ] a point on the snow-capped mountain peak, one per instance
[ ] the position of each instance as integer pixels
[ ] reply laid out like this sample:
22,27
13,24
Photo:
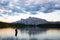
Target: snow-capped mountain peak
32,20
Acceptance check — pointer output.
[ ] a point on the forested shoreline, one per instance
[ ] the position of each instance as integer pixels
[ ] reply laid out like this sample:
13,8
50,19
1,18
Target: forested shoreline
18,25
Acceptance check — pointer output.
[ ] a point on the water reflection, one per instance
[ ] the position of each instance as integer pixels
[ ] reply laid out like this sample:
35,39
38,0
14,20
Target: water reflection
33,31
29,34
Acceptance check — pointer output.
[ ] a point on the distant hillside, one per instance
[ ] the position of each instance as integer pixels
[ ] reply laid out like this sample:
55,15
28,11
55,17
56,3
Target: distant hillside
32,20
53,23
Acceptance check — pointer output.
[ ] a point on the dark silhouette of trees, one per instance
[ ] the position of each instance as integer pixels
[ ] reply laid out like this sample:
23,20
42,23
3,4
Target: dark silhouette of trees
18,25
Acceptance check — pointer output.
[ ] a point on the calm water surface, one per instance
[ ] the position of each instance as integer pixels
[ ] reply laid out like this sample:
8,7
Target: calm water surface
30,34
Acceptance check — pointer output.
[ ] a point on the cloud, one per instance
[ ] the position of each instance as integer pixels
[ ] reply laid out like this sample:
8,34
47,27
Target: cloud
32,6
14,18
54,16
13,10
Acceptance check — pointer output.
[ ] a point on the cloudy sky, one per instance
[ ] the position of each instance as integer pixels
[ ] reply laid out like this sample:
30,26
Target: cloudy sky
13,10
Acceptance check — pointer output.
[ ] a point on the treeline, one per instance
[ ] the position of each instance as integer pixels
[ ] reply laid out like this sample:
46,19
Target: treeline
49,25
17,25
13,25
5,25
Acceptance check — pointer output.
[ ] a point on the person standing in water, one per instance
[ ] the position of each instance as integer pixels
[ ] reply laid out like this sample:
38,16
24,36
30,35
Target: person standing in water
16,32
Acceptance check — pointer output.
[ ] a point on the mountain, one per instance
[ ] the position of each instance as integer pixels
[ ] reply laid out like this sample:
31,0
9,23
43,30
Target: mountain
32,20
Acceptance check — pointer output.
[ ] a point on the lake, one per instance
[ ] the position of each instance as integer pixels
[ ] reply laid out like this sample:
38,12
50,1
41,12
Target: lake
30,34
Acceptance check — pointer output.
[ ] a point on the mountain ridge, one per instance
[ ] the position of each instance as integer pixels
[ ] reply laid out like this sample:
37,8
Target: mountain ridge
32,20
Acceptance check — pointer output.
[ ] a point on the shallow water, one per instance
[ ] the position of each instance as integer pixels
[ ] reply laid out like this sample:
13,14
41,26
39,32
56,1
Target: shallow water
30,34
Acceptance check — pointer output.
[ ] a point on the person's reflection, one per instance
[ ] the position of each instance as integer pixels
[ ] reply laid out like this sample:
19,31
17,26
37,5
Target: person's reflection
16,32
